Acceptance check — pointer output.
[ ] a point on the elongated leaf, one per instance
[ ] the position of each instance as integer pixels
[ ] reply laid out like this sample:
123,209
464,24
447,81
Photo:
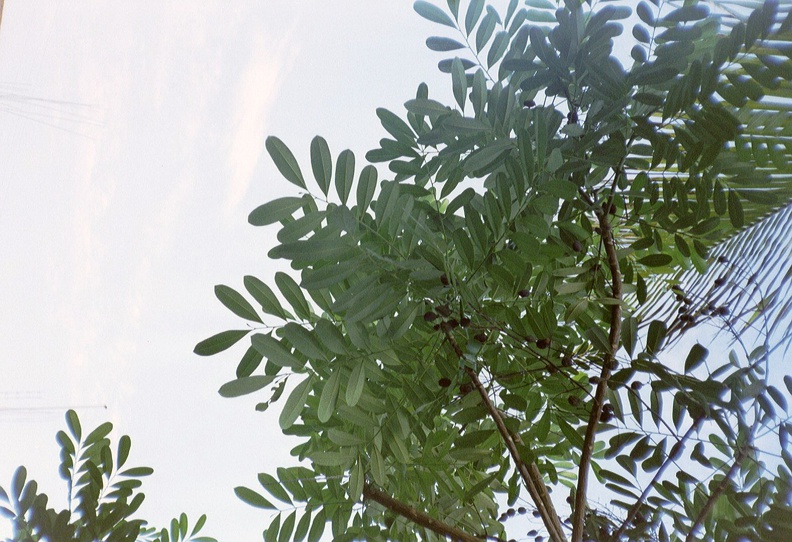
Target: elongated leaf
327,400
274,351
98,434
274,211
697,355
252,498
321,163
284,161
273,487
295,403
265,296
237,304
367,184
221,341
73,423
293,294
355,385
244,386
433,13
303,340
436,43
345,174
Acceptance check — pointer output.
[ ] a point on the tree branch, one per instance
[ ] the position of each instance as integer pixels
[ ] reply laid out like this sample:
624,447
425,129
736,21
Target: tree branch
529,473
702,515
418,517
608,362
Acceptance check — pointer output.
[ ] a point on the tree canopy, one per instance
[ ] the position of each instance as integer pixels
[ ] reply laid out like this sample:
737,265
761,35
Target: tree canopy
486,331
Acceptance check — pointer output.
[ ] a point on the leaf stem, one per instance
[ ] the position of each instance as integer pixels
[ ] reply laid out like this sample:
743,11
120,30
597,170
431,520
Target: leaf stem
702,515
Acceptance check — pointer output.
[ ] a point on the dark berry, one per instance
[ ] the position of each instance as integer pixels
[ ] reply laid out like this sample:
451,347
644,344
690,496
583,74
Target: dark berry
577,246
444,382
480,337
444,310
444,279
430,316
523,293
543,343
636,385
464,321
529,103
574,400
566,361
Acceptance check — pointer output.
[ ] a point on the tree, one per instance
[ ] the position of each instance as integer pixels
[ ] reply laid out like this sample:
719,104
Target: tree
490,327
102,498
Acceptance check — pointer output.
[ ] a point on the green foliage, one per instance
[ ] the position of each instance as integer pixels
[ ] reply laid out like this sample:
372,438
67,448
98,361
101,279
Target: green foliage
103,496
478,326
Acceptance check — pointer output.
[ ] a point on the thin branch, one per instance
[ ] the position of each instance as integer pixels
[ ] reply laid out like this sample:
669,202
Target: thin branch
608,363
529,473
702,515
673,455
418,517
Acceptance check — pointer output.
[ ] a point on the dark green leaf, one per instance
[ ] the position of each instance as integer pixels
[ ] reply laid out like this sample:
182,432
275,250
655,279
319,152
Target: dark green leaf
221,341
244,386
291,291
236,303
284,161
295,403
736,215
433,13
274,211
274,351
327,399
265,296
252,498
436,43
274,487
73,423
698,354
321,163
345,174
656,260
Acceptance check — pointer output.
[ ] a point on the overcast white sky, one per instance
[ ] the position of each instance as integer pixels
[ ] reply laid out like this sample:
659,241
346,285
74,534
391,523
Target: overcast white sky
131,152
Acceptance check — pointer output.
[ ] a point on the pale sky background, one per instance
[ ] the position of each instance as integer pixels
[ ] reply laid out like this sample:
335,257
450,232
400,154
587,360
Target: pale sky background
131,152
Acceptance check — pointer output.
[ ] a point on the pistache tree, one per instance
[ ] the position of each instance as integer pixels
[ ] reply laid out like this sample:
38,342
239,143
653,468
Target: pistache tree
477,336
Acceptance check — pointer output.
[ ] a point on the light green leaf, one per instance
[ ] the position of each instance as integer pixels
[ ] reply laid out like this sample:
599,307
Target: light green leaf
355,385
221,341
433,13
345,174
327,400
244,386
252,498
321,163
274,211
237,304
330,337
295,403
284,161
